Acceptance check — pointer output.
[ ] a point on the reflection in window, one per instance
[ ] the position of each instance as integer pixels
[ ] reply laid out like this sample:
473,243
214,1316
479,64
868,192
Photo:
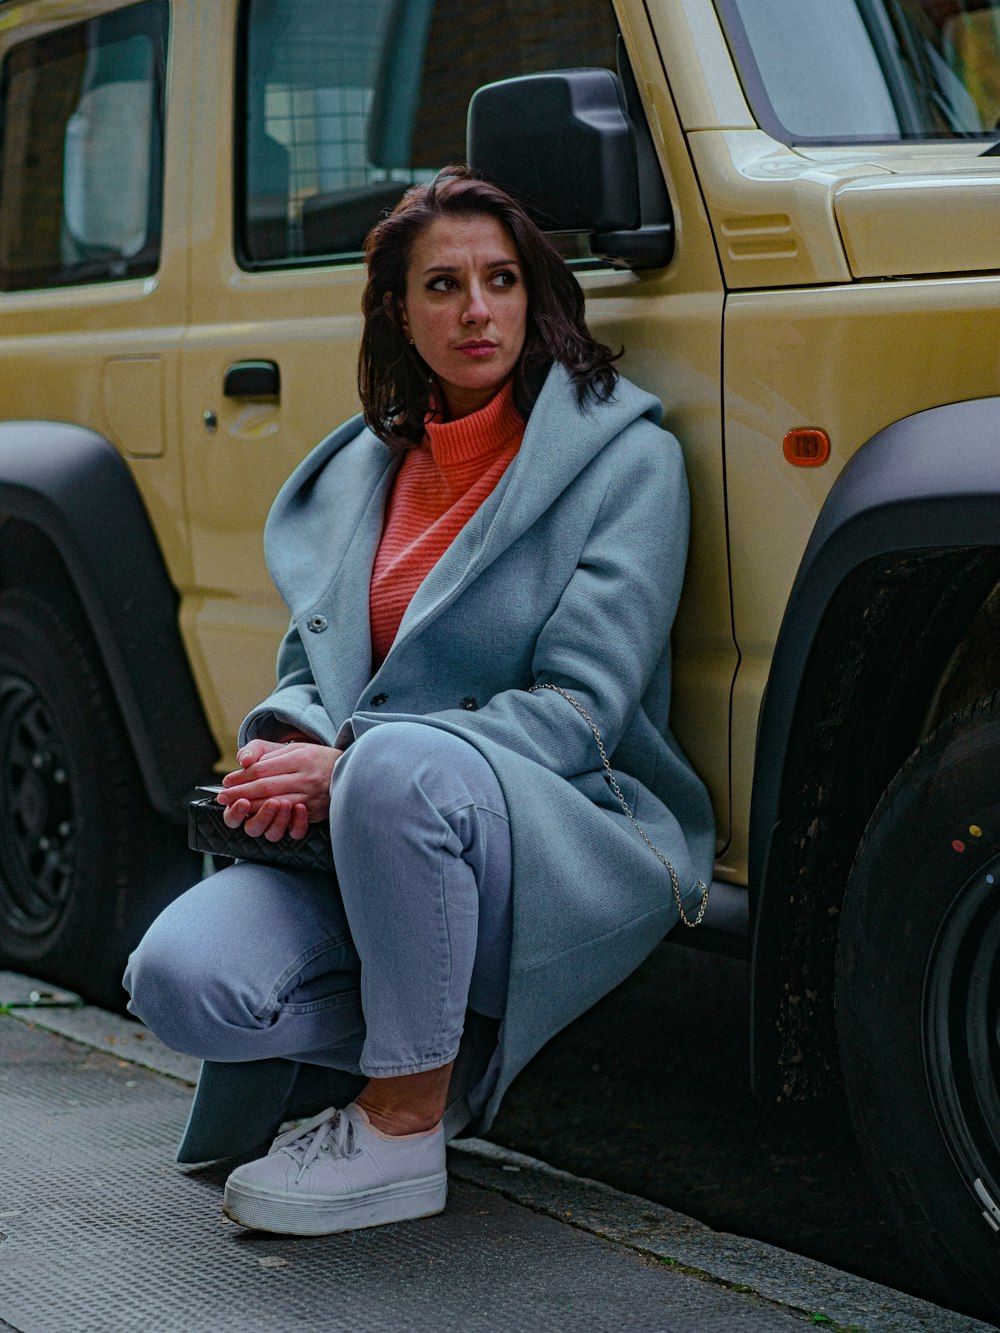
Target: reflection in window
347,102
107,153
81,114
972,42
876,70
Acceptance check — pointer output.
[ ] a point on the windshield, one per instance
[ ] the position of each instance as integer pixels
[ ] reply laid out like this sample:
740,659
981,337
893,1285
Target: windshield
836,71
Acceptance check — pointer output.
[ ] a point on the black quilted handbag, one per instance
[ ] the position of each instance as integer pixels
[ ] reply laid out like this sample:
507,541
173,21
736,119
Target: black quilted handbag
208,832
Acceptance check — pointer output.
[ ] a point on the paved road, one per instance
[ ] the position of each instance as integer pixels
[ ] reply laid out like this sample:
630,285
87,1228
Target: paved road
102,1234
650,1093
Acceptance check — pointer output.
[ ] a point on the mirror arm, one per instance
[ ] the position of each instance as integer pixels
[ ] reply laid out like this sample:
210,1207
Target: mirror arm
651,246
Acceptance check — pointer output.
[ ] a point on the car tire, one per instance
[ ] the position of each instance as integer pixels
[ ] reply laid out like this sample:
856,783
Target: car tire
85,863
918,1001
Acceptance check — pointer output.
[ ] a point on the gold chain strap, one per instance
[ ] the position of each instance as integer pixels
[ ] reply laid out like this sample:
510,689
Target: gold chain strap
624,805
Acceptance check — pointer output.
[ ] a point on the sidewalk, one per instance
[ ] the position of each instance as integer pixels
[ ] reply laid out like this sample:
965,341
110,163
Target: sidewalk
100,1232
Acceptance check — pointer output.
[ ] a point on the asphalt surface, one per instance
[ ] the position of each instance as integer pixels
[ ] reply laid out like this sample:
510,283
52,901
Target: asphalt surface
101,1233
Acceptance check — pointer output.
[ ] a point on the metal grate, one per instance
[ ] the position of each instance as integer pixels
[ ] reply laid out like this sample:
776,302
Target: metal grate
100,1233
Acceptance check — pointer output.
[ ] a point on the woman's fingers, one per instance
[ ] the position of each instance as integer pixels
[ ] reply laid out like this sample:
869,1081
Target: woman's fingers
299,824
287,787
276,761
259,757
252,753
270,821
234,814
298,772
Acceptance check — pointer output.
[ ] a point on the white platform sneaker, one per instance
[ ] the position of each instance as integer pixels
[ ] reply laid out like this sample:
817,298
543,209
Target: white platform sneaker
337,1172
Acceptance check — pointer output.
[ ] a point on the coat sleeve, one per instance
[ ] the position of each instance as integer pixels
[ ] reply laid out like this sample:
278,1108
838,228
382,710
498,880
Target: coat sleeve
610,631
294,703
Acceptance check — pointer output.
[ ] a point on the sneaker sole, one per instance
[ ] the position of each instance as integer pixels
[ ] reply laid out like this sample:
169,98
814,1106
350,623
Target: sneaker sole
323,1216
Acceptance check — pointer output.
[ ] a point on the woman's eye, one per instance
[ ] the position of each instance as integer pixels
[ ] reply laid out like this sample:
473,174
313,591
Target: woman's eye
441,284
505,278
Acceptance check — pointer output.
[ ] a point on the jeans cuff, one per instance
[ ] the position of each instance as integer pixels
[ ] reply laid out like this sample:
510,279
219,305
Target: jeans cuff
399,1071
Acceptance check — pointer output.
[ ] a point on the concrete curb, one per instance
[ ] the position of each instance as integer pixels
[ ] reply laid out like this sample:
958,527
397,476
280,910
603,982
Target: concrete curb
65,1013
818,1291
744,1265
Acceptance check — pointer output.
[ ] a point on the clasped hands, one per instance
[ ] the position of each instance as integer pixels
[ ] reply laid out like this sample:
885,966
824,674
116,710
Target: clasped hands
280,787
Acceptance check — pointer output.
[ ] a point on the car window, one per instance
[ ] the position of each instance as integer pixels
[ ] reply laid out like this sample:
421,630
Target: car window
81,140
836,71
346,102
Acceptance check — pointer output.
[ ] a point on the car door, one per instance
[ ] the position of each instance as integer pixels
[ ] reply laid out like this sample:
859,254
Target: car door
93,198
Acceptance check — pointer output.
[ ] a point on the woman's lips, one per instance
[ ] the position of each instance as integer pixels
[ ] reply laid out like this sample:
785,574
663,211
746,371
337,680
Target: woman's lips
476,348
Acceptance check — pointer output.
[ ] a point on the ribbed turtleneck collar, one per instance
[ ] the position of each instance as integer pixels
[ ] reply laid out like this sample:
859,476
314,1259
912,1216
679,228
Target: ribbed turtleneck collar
479,434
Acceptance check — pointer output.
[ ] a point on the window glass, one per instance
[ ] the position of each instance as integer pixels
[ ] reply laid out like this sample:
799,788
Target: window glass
836,71
81,135
346,102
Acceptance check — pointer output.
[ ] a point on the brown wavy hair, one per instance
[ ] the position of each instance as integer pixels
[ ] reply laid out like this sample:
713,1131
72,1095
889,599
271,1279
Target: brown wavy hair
396,385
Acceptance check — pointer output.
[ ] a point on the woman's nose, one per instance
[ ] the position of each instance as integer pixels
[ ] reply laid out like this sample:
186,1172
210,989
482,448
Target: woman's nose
477,310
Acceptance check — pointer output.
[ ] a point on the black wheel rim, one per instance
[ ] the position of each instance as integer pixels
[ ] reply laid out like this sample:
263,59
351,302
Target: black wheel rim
962,1034
37,811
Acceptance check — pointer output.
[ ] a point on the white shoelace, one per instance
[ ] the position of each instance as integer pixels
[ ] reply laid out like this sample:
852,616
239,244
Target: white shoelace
331,1130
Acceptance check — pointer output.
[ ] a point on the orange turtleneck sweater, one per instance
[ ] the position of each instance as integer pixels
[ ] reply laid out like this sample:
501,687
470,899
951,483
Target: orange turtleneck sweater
440,485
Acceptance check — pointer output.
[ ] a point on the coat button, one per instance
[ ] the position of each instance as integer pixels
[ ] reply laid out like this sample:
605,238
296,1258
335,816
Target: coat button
469,703
317,624
378,699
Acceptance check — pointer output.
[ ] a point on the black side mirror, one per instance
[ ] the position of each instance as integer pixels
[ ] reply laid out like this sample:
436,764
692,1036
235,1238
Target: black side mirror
564,144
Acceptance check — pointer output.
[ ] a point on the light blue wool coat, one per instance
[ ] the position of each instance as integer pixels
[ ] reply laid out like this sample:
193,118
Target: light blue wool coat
569,572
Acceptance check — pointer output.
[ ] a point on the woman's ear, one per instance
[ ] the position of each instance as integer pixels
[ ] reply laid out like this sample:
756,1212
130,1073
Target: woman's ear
396,310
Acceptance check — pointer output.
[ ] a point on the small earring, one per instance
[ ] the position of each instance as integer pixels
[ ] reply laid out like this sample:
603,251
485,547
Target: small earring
411,342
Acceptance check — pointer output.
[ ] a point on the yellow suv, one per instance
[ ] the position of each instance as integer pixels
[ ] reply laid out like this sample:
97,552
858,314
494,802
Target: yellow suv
786,214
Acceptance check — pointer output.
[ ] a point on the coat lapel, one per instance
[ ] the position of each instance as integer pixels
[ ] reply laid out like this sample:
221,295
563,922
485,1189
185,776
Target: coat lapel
320,541
327,519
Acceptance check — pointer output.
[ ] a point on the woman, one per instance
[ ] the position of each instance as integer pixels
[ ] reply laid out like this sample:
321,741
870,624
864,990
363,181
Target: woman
482,574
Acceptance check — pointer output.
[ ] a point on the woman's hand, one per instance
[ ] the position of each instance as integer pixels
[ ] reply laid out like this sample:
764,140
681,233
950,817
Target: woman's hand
280,787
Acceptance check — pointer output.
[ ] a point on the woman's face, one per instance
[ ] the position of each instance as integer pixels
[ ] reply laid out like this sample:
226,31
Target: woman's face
466,307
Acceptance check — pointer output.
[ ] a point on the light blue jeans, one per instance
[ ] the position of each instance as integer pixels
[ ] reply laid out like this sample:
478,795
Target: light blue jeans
370,970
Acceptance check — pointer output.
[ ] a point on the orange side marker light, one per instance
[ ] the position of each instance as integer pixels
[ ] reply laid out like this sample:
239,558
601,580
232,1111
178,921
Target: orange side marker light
806,447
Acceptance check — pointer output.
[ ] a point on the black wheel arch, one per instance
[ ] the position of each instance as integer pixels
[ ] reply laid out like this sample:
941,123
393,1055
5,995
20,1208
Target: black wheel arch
71,515
904,554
